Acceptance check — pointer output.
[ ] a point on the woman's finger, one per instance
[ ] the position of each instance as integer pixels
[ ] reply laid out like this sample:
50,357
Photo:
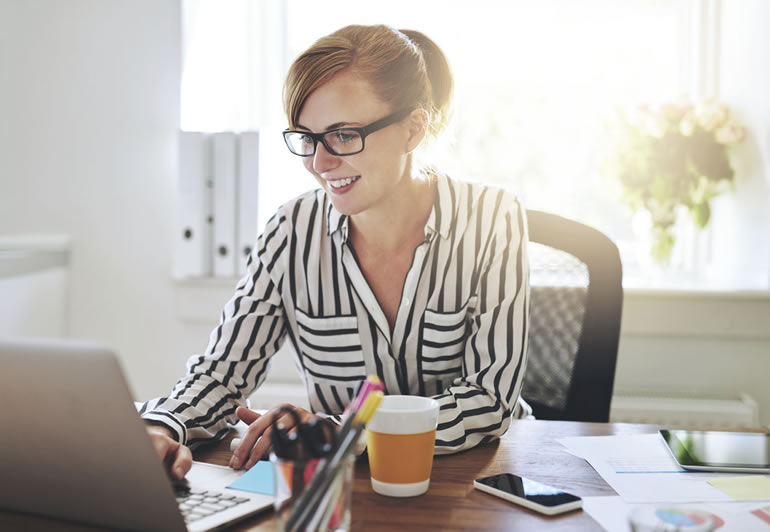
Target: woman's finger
285,421
260,450
182,462
247,442
255,433
176,457
257,442
247,415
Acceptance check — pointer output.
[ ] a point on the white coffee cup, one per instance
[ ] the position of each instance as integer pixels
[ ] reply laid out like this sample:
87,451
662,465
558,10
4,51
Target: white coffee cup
400,442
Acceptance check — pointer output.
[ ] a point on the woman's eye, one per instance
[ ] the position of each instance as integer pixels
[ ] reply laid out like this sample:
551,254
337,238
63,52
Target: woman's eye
344,137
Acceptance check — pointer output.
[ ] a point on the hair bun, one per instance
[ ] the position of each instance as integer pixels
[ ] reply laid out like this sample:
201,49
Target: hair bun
439,75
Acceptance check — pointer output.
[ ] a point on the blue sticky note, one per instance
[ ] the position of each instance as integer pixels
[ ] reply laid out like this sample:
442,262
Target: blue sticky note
258,479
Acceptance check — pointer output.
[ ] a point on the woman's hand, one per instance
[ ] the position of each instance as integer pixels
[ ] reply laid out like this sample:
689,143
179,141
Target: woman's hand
256,443
176,457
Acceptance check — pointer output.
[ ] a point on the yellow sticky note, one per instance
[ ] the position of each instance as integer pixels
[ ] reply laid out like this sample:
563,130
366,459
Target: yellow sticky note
744,488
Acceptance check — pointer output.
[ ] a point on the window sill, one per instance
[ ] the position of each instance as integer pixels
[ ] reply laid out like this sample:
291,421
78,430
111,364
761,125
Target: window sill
705,313
695,291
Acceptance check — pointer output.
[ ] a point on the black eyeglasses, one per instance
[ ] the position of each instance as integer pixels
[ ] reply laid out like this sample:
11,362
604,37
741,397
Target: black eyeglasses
342,141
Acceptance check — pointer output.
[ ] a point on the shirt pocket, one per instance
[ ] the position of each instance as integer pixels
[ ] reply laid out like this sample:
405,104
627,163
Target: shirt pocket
443,342
331,348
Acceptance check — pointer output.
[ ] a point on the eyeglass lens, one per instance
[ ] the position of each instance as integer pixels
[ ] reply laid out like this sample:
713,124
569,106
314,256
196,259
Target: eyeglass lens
337,142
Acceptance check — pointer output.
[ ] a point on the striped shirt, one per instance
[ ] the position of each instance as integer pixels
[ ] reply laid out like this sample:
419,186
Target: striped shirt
460,334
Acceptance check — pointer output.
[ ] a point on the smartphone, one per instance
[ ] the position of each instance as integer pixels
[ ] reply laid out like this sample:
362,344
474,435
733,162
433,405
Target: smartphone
529,493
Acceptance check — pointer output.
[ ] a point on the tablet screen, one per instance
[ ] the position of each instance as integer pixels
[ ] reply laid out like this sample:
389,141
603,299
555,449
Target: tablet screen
717,449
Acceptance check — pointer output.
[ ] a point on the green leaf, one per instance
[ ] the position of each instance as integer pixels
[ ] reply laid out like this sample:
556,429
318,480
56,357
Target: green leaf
701,214
662,244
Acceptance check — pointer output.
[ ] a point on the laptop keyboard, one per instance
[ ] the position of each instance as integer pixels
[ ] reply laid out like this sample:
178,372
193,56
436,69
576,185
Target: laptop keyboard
195,503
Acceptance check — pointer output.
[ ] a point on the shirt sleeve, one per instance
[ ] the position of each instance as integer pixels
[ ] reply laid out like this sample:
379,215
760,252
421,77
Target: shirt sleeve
202,405
476,408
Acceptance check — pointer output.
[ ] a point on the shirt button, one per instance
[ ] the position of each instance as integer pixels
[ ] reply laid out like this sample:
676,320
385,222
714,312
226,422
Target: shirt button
406,302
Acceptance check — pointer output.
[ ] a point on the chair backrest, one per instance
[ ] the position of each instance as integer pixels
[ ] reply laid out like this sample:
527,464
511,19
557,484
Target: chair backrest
575,311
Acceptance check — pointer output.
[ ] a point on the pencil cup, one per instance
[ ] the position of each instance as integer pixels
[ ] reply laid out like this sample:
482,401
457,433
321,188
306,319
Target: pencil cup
292,476
400,439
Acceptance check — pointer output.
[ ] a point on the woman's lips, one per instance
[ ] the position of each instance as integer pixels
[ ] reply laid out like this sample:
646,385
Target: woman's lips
340,186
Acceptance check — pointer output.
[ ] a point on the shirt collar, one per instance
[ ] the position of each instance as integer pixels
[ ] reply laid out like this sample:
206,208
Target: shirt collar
444,209
336,221
442,215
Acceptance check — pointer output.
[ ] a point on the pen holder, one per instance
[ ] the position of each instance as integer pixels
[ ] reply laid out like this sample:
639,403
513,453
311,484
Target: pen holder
291,478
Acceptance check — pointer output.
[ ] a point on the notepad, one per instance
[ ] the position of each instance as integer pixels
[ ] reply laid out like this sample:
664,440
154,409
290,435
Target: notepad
258,479
744,488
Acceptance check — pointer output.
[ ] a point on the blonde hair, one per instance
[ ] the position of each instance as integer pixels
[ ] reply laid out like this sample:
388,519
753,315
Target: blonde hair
405,68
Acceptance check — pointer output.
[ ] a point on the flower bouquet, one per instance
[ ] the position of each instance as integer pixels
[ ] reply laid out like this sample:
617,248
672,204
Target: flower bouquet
672,155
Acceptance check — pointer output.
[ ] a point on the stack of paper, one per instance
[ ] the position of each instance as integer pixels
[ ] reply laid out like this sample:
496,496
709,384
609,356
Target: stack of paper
643,472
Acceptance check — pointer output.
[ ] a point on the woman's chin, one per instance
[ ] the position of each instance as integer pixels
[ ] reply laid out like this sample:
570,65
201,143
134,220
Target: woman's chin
345,206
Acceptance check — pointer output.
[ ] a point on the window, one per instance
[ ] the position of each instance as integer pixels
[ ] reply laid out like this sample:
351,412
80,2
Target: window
535,83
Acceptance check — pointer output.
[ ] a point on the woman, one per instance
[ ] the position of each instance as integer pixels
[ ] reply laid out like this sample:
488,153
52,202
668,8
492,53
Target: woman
390,268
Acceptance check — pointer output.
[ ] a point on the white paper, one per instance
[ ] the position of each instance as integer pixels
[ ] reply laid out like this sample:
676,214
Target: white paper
212,476
640,469
613,514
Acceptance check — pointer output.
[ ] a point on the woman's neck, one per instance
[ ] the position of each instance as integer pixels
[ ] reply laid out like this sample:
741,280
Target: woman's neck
404,215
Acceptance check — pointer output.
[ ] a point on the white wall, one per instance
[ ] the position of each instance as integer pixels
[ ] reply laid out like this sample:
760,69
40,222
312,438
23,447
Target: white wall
743,82
695,345
89,113
89,110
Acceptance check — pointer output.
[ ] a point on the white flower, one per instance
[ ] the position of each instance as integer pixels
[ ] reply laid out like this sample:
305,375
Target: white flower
729,133
677,111
710,114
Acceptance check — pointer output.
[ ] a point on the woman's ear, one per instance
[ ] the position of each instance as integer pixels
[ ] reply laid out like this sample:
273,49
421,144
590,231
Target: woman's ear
418,127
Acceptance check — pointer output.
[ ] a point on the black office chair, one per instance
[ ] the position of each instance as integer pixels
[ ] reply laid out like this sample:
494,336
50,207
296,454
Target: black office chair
575,310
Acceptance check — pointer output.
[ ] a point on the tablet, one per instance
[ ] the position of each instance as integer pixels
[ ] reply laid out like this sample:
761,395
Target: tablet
712,450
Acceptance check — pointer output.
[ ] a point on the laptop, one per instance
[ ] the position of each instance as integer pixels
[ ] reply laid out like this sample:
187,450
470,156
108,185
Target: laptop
74,448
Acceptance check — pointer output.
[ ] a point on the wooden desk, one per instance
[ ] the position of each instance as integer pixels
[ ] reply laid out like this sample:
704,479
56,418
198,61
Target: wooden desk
529,448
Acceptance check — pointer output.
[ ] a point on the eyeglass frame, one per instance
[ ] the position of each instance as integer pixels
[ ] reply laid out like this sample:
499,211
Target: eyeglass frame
363,132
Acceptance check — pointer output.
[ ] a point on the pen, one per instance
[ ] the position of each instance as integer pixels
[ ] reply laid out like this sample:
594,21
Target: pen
371,384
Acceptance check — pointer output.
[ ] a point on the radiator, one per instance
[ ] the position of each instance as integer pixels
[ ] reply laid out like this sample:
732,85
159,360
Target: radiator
686,412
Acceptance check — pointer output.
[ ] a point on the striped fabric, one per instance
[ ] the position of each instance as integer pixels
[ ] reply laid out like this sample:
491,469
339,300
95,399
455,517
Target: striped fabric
460,333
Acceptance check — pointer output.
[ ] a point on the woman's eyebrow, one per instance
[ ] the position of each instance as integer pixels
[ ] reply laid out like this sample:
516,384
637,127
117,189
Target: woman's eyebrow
331,127
337,125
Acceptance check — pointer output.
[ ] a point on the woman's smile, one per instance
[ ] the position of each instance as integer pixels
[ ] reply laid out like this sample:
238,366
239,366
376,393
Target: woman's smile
341,186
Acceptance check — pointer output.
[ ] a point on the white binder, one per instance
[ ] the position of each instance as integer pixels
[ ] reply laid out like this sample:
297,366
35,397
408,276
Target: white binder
225,205
248,189
193,235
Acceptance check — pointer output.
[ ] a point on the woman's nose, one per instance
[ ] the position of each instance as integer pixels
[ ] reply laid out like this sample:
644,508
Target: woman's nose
323,161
